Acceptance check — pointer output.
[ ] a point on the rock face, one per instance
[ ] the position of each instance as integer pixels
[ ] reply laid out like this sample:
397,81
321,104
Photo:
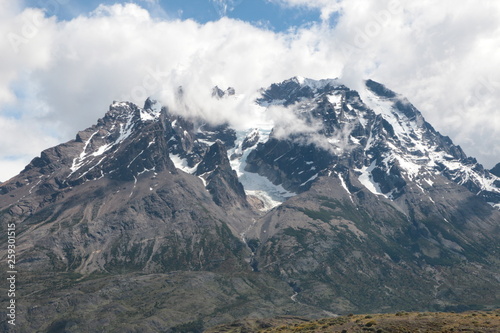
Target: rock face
222,181
148,214
496,170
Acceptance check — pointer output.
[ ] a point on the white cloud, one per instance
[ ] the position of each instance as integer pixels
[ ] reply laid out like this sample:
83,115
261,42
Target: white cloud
75,69
223,7
327,7
443,56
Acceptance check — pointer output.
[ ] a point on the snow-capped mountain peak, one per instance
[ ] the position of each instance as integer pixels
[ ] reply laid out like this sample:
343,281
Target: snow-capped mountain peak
380,137
381,134
151,111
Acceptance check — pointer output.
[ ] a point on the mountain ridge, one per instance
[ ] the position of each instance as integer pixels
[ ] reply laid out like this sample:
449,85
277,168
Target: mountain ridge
475,177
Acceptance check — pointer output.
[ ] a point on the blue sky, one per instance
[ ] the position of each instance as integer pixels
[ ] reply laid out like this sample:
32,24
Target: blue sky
262,13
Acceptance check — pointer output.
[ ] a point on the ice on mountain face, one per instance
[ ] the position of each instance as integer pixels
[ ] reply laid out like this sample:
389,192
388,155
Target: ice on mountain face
153,112
261,187
467,173
248,140
93,167
254,184
148,115
238,164
366,179
295,90
385,108
182,164
414,151
78,161
125,131
409,167
335,99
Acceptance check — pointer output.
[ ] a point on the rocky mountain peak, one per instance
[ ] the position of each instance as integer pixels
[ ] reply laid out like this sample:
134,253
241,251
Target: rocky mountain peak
219,93
383,136
292,90
380,89
216,156
496,170
221,180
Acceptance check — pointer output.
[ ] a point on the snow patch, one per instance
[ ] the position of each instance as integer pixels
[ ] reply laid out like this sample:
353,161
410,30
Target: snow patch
102,150
300,79
208,143
494,205
344,185
354,140
335,99
182,164
309,180
153,113
366,179
203,181
78,161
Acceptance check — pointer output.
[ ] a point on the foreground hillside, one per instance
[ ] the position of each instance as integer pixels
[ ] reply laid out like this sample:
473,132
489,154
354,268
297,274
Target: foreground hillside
475,321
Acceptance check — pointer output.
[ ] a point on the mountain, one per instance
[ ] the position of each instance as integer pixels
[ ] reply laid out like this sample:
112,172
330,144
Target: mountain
496,170
150,220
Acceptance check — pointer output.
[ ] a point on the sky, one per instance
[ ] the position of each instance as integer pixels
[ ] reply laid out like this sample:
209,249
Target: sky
63,62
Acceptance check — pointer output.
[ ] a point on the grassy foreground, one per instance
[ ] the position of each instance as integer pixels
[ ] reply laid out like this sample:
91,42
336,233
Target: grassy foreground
474,321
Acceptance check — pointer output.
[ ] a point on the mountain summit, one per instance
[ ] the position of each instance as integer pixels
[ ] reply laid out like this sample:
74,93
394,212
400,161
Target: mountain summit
360,206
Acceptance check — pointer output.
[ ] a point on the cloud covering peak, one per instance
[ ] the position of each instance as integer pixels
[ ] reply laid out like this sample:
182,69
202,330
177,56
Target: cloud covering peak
58,77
